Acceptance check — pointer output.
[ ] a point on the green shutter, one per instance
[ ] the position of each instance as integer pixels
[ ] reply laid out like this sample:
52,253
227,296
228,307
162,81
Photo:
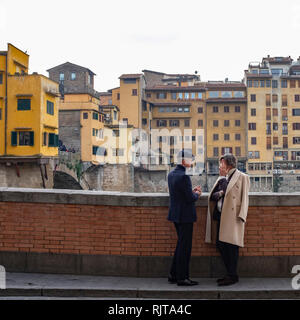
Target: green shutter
14,138
51,140
31,142
56,140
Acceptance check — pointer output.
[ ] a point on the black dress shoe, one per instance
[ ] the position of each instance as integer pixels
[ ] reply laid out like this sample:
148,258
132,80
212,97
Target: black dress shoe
227,281
187,282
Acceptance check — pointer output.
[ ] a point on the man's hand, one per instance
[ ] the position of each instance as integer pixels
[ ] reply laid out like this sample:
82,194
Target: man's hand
198,190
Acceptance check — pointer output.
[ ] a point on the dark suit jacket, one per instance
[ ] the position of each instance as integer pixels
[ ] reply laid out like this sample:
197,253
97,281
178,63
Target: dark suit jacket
182,198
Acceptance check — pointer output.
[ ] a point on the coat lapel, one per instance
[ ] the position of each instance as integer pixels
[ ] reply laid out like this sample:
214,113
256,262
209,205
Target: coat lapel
232,181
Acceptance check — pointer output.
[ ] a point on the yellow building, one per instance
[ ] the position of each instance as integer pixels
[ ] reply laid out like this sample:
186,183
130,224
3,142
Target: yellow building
81,126
226,123
274,123
28,109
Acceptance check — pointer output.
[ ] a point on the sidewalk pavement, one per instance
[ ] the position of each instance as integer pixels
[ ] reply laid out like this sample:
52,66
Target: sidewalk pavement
63,285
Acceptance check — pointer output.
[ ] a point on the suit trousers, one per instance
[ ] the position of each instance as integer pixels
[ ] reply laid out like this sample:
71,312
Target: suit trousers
181,259
230,255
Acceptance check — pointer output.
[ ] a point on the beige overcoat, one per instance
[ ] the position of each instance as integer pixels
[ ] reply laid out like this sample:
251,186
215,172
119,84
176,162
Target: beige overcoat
234,212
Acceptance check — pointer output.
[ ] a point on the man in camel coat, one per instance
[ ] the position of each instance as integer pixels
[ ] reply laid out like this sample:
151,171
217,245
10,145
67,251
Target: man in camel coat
227,213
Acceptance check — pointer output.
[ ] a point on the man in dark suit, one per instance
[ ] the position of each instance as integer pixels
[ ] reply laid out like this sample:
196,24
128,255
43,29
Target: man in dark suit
182,213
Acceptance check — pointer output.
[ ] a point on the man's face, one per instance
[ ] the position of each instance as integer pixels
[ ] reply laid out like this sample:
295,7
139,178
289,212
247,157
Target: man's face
223,166
187,162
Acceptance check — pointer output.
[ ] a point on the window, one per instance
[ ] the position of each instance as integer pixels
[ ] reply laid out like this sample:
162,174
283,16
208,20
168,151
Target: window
238,94
262,83
144,121
296,112
238,151
253,112
253,140
161,123
284,114
215,123
61,77
0,114
1,77
200,123
174,123
249,83
269,131
24,104
226,94
275,140
268,83
268,99
215,137
275,126
53,140
296,140
134,92
237,136
95,116
193,95
253,97
173,95
73,76
226,150
237,123
274,98
118,96
252,126
283,83
200,110
180,95
26,138
284,100
296,126
161,95
186,109
268,114
186,95
274,84
199,95
50,107
292,83
95,149
144,105
269,146
213,94
276,71
285,128
216,152
115,115
255,83
148,95
226,109
226,123
285,142
297,97
186,122
129,81
215,109
226,136
237,109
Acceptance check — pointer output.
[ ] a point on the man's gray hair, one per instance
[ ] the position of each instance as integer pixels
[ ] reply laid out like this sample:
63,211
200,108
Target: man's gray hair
230,159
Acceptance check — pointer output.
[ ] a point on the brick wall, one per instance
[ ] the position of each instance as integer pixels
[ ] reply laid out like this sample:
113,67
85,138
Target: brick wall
33,226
